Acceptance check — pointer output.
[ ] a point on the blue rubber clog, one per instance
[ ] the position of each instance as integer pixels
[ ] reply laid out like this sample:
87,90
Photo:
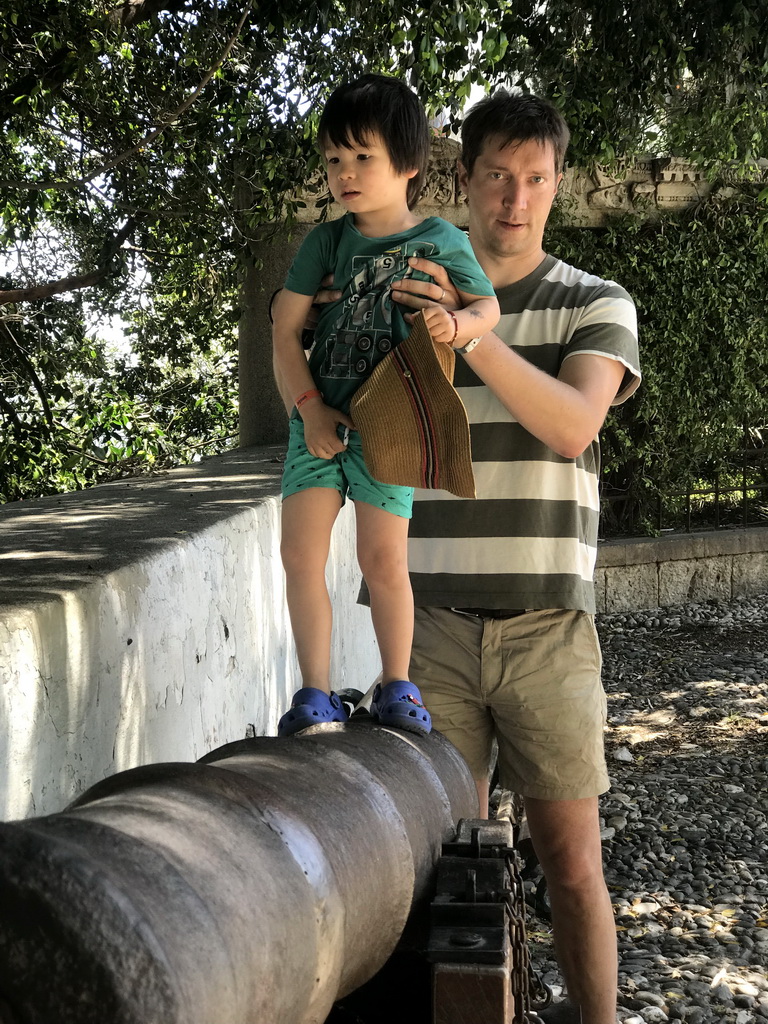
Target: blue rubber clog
399,705
311,706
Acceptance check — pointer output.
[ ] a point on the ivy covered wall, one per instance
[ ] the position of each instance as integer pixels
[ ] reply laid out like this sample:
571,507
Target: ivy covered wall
700,281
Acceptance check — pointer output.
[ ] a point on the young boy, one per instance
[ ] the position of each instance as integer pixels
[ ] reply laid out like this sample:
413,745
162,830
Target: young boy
374,136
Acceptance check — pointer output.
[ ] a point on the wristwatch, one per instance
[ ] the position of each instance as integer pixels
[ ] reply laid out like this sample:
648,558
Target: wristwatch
466,349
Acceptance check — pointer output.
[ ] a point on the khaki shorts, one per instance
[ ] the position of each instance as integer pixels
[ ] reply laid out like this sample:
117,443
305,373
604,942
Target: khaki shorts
532,682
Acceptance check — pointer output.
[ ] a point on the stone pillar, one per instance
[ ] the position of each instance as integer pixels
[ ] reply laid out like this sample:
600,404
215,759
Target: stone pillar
263,419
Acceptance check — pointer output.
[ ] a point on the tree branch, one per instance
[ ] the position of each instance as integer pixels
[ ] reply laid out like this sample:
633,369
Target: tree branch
10,412
169,119
21,355
74,282
131,11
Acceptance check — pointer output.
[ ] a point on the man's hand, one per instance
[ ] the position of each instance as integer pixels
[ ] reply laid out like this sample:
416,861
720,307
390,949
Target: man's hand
327,292
320,423
420,294
325,295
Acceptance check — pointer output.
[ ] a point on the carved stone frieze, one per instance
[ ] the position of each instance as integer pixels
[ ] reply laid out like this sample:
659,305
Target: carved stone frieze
441,185
673,169
611,197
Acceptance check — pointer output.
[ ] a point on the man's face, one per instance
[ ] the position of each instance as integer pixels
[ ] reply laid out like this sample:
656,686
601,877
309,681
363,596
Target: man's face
510,194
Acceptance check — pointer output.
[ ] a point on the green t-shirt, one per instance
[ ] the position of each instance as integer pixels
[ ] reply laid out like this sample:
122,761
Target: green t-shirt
355,333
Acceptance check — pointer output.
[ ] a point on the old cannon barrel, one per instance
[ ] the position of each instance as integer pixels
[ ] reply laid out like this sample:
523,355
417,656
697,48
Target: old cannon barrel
257,886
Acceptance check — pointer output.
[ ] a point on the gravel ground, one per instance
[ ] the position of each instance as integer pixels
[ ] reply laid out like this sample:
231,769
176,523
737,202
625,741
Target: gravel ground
685,836
684,825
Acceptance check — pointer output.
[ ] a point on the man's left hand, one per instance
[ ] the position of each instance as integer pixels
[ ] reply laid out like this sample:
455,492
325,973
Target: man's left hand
420,294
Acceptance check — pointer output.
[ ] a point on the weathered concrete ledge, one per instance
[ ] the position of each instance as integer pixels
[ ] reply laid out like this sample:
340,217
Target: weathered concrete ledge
654,572
145,620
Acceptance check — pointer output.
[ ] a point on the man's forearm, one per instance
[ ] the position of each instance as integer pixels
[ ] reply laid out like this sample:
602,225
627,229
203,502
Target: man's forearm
565,412
475,319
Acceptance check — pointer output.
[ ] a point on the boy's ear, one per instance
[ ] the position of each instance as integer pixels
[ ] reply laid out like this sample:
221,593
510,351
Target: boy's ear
412,173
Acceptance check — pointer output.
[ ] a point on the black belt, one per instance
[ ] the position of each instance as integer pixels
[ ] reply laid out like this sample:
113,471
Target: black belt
492,613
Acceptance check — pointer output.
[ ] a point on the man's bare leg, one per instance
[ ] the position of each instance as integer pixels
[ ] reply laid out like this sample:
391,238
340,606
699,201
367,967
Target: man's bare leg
566,837
483,787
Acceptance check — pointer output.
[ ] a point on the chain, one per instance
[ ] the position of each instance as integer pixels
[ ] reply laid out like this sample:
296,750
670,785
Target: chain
525,982
519,960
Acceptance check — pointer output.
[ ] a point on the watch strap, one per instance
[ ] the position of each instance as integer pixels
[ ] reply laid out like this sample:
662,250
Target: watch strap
471,344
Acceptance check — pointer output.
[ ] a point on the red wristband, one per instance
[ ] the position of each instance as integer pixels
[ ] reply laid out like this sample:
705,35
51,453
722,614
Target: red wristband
305,397
452,315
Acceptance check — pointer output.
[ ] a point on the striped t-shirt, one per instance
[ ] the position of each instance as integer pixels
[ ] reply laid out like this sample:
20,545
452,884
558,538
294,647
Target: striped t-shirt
529,539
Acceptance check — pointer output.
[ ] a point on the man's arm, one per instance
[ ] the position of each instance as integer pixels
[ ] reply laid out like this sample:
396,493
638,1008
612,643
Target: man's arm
565,412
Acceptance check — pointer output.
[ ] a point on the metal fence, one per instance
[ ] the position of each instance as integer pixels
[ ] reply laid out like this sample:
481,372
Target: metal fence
732,494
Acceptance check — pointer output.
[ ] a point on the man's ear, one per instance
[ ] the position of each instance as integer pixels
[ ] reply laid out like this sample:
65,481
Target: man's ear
412,173
463,177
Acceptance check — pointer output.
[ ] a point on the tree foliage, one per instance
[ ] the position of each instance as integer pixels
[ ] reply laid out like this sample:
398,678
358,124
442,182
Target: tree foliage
148,146
698,279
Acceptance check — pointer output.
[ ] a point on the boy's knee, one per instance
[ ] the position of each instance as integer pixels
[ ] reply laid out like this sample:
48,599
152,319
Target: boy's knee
383,564
298,557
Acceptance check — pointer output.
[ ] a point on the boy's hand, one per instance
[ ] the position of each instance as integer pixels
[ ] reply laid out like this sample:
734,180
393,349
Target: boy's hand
320,423
418,294
441,324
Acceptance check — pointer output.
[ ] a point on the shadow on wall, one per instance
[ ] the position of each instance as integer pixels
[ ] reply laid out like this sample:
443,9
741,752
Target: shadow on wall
55,544
131,616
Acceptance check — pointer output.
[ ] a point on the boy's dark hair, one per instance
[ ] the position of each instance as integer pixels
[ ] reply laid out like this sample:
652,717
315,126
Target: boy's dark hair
377,103
515,119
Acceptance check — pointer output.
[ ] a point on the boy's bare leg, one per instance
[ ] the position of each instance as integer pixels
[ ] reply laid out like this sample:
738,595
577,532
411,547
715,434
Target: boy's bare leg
566,837
307,522
382,552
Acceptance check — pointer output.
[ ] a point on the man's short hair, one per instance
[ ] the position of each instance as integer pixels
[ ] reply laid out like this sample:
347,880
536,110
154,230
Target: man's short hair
378,103
515,119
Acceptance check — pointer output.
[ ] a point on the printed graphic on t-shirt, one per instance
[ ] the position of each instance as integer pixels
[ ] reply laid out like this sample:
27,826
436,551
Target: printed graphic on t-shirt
362,334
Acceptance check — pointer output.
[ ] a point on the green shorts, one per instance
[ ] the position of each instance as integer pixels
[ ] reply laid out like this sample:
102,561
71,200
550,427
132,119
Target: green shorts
532,682
346,473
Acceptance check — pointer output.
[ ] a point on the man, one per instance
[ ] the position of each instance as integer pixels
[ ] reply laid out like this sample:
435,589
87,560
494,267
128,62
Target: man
505,645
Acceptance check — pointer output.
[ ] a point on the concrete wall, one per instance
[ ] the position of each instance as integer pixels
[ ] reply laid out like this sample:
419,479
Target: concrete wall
145,620
650,572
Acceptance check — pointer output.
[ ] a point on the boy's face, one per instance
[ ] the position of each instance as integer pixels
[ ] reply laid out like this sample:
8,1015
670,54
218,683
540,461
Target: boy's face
362,178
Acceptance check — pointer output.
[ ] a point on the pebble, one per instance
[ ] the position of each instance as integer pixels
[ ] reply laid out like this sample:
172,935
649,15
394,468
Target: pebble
685,824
